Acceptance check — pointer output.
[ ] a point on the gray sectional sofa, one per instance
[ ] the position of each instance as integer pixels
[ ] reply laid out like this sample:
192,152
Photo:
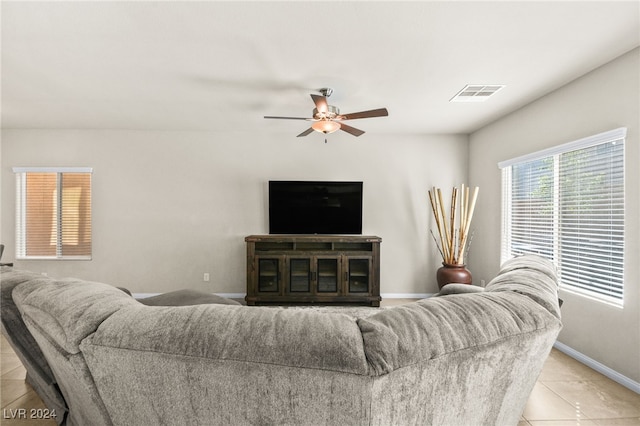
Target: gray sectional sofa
455,359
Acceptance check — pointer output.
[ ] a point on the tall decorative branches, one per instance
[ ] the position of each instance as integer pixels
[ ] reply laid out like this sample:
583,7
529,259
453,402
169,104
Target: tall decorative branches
454,229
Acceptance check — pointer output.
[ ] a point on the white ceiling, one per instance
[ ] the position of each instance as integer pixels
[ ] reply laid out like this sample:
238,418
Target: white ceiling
224,65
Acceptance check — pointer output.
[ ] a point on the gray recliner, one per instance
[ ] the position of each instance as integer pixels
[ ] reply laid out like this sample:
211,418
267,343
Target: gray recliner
39,374
2,251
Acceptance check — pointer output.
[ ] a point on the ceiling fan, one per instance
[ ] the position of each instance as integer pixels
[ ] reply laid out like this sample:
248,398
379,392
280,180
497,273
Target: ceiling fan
327,118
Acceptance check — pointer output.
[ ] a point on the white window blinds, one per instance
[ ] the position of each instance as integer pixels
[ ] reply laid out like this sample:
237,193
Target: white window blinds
567,204
53,213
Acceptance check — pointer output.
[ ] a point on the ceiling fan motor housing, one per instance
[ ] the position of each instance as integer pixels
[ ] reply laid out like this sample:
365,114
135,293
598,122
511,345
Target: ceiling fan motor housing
326,91
331,113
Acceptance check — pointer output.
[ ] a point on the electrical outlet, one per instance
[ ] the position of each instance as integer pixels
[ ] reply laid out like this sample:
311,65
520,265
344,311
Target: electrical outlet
206,277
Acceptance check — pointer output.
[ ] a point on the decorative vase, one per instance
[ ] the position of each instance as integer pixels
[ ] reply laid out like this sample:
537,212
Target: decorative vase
448,273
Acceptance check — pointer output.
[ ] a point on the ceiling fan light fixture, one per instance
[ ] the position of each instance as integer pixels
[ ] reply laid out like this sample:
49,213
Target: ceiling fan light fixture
325,126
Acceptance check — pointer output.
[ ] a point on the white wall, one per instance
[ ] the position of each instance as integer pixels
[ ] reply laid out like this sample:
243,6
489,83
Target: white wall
605,99
169,206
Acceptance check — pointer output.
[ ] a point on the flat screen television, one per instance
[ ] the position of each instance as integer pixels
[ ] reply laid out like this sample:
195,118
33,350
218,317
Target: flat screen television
308,207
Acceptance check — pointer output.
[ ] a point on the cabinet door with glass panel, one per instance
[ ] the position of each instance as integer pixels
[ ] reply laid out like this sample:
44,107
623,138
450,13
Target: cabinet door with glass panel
299,272
327,275
358,275
269,273
314,275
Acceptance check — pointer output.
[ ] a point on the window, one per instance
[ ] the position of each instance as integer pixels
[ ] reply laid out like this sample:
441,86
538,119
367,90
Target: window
567,204
53,213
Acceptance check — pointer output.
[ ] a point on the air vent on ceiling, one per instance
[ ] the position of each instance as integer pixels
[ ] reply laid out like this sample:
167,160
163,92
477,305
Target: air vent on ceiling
476,92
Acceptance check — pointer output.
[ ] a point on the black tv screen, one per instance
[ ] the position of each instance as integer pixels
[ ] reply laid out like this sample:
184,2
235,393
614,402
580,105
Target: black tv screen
305,207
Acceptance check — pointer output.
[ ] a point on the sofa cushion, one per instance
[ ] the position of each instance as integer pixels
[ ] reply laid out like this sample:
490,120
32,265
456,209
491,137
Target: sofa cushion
271,335
531,262
68,310
186,298
532,276
427,329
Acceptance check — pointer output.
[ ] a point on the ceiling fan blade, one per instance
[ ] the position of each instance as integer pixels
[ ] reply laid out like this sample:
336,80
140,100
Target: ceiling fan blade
306,132
351,130
321,103
380,112
286,118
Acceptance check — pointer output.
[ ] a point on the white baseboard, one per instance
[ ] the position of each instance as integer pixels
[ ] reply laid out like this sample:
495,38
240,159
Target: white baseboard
232,295
406,295
600,368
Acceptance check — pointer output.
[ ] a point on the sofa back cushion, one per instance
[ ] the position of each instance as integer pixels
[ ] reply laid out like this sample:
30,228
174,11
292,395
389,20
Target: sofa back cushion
68,310
296,338
521,299
532,276
430,328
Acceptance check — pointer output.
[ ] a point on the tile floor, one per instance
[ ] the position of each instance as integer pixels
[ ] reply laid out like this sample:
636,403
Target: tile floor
567,393
570,393
15,393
